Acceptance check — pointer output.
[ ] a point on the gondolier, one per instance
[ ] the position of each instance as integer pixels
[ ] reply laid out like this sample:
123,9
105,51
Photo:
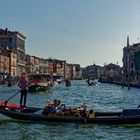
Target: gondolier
23,84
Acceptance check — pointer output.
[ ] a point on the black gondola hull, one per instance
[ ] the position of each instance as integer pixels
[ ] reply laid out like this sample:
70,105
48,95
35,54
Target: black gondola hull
100,117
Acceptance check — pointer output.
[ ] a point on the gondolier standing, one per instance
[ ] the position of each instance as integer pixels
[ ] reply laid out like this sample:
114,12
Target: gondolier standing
23,84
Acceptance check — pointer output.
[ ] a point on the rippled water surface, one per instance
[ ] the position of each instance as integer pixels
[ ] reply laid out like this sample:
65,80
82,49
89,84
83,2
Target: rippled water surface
103,97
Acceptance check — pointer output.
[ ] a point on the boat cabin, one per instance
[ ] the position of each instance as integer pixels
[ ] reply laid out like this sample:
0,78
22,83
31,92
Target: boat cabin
40,77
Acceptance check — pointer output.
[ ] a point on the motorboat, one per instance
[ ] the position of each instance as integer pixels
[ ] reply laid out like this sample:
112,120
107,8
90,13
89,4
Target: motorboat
39,81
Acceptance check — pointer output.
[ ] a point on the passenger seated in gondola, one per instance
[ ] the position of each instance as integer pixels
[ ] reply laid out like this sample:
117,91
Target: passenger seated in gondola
58,104
47,108
91,114
52,107
59,109
86,112
83,110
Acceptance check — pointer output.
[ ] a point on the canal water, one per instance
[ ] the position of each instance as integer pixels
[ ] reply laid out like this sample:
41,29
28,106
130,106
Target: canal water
102,97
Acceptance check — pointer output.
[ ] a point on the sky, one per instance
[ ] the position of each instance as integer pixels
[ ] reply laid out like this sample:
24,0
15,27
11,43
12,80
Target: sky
79,31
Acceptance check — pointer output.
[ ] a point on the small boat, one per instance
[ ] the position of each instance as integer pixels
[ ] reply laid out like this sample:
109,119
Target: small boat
57,79
67,82
39,82
127,116
93,82
137,85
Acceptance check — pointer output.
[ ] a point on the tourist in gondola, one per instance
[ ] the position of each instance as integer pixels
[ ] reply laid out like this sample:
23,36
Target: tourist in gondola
52,107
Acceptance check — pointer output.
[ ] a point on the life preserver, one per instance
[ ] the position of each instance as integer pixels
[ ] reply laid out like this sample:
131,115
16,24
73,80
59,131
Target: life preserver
77,115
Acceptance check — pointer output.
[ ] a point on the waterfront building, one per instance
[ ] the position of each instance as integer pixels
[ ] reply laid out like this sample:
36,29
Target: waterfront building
43,65
4,64
36,64
68,73
131,63
92,72
13,64
112,73
76,71
39,65
8,64
50,66
30,63
57,67
15,41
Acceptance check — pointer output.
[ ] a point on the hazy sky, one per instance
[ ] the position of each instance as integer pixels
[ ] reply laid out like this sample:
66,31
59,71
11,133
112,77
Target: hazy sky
78,31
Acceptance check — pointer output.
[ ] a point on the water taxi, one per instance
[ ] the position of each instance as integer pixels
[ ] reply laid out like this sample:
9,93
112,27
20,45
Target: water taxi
39,81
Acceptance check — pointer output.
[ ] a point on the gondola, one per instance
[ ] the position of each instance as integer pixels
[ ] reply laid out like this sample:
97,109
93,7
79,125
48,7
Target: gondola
127,116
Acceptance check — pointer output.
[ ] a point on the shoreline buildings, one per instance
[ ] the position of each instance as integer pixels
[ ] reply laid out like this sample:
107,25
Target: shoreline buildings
14,60
15,42
131,63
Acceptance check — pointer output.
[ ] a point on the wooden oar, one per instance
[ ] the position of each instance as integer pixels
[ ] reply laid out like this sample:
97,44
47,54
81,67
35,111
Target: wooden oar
11,97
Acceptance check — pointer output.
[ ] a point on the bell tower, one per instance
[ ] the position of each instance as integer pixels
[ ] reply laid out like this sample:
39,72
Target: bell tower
127,41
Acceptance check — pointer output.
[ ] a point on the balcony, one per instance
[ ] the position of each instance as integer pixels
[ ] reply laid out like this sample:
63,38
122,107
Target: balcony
21,62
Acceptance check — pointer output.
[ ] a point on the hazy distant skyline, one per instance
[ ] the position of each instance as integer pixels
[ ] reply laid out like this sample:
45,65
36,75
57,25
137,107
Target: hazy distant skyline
79,31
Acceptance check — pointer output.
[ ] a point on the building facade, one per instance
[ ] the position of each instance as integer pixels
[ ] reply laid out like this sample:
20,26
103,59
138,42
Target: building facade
13,64
76,71
57,67
16,42
112,73
92,72
131,63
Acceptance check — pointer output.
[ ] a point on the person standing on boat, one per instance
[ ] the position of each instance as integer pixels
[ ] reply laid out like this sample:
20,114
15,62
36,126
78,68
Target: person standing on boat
68,83
23,84
89,82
